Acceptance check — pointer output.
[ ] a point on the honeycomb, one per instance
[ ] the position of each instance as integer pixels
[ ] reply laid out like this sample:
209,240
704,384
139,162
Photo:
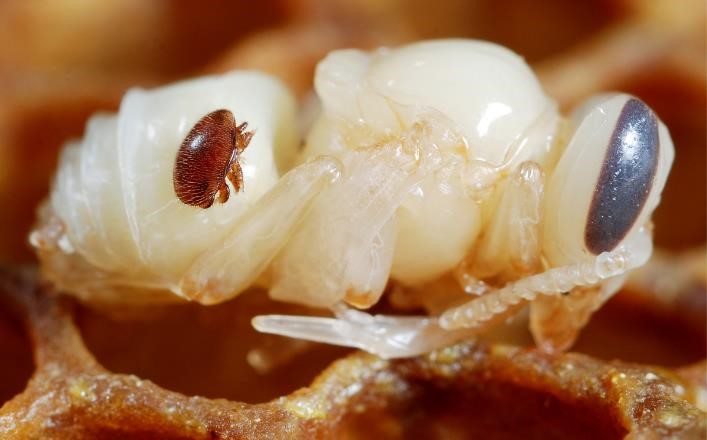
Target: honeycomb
186,371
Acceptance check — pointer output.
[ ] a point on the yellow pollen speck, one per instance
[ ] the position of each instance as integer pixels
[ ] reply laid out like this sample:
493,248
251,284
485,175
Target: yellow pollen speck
672,419
306,410
80,389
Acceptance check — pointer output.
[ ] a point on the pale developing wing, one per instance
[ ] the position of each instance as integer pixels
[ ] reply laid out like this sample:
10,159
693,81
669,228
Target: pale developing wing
113,197
255,238
345,246
511,241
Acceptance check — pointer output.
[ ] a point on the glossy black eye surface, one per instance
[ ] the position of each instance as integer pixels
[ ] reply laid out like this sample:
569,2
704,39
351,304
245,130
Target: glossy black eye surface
207,156
626,177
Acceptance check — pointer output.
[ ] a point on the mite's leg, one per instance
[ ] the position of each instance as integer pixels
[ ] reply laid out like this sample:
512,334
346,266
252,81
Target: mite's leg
223,193
510,246
553,282
243,137
235,175
258,235
344,251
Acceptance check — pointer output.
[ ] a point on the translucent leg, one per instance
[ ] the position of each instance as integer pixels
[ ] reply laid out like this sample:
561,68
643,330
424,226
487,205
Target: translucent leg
344,249
385,336
511,243
392,336
553,282
555,321
258,236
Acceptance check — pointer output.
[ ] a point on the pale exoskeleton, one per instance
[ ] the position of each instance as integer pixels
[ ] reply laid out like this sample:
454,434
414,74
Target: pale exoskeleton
498,189
114,230
433,160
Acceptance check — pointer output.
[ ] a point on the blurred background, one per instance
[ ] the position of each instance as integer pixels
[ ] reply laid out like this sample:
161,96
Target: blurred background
62,60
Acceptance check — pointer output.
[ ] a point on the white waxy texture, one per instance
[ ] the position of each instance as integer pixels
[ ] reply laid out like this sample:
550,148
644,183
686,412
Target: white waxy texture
488,93
114,191
480,105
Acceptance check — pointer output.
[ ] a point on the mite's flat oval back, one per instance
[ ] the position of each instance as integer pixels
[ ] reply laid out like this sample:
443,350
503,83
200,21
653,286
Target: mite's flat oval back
204,158
626,177
152,124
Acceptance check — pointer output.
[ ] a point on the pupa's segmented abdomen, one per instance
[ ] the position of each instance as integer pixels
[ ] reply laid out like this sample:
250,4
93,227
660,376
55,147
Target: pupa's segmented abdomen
113,190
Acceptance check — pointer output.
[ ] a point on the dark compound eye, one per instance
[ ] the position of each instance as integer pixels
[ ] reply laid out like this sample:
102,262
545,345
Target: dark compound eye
207,156
626,177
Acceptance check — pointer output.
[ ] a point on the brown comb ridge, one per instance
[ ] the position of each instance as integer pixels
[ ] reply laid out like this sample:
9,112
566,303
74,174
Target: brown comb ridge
467,389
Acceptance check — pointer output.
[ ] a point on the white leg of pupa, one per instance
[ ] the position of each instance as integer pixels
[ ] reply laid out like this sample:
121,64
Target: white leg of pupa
344,249
385,336
511,243
553,282
225,270
555,321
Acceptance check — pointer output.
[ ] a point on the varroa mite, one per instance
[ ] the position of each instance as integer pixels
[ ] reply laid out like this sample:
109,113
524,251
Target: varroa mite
207,157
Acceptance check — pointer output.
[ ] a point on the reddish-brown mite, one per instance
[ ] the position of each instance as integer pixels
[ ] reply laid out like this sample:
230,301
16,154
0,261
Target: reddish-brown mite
207,157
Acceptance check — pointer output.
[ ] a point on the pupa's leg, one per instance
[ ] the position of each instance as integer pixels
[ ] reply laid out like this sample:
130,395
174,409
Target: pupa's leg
510,246
258,235
433,297
555,321
386,336
391,336
223,193
553,282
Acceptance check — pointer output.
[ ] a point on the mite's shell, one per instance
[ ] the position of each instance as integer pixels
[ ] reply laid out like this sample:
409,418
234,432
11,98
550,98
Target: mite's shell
209,155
